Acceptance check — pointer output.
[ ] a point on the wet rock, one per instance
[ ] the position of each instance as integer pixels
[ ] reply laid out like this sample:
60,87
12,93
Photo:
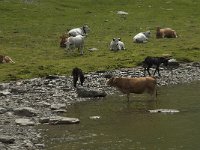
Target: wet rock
164,111
85,92
24,122
7,139
44,104
2,110
60,111
25,111
41,146
4,93
29,145
58,106
44,120
63,120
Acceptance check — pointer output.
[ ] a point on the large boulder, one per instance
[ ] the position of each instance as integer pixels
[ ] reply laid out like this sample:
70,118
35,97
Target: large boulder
85,92
7,139
25,111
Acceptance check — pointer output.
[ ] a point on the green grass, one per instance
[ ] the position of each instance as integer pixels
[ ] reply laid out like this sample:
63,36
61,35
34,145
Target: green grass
30,30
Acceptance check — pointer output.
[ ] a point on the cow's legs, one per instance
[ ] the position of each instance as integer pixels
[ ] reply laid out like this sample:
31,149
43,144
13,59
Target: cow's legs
158,70
148,70
75,79
145,71
81,50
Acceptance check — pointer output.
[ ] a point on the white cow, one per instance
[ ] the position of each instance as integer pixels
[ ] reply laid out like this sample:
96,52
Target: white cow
84,30
117,44
141,37
75,42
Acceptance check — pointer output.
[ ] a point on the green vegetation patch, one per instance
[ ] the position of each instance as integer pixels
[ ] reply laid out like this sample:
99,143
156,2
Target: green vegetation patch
30,34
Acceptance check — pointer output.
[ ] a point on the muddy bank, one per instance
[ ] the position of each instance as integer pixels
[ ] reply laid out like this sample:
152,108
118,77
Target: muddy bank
25,104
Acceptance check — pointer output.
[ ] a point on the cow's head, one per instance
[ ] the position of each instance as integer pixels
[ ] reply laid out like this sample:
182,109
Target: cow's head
111,81
147,33
85,29
115,44
63,40
164,60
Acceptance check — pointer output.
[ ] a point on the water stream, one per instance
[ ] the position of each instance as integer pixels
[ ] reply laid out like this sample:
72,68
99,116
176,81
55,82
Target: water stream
120,125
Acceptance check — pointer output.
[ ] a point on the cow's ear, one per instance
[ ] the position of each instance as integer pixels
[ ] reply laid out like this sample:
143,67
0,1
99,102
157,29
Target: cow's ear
113,39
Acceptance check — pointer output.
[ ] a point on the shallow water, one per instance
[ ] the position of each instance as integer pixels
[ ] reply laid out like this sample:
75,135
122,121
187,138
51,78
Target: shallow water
124,125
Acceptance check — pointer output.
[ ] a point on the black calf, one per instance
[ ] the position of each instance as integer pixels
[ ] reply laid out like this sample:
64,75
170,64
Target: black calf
157,61
77,73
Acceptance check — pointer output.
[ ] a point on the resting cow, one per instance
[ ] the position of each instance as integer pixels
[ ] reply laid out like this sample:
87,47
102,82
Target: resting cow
5,59
134,85
117,44
165,33
141,37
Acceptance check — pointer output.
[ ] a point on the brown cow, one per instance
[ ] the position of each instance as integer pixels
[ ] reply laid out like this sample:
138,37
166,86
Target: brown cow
165,33
5,59
139,85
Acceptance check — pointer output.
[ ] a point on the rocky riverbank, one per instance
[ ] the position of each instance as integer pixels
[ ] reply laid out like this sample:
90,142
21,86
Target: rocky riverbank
27,103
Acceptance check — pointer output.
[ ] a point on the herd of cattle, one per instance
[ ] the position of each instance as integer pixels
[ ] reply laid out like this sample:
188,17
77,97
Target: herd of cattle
129,85
75,39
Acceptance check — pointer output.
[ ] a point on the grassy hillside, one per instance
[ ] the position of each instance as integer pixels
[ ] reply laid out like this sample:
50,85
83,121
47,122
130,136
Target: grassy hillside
30,30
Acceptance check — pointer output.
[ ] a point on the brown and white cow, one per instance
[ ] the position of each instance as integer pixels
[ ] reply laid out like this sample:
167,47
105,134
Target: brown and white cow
129,85
5,59
165,33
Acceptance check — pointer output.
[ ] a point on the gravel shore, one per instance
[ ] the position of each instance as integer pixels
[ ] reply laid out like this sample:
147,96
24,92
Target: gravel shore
27,103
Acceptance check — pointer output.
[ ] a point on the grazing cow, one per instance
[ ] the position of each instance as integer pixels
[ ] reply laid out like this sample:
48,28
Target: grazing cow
156,61
63,40
165,33
75,42
117,44
84,30
5,59
141,37
129,85
77,73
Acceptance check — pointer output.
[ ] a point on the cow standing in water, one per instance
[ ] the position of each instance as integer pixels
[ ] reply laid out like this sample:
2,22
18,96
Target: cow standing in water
129,85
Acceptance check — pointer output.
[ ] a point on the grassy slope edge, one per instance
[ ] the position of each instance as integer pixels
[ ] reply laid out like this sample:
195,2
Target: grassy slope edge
30,30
